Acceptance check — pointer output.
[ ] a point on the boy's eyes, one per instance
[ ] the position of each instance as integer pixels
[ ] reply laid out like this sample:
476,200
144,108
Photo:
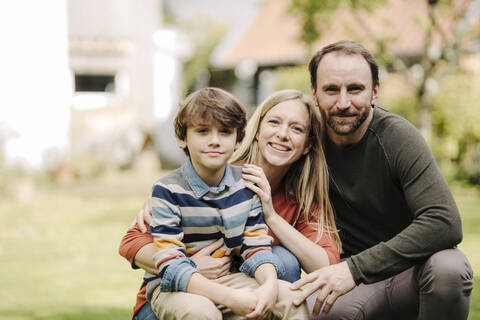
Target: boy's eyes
225,130
207,130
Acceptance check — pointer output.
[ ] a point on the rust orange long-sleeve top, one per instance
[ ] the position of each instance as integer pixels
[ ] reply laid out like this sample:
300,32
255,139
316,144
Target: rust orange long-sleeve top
134,239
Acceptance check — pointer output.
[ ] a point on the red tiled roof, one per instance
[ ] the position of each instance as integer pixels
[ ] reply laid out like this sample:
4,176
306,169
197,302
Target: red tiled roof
272,38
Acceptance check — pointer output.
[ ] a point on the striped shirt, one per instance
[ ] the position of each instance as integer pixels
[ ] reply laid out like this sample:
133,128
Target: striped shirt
187,215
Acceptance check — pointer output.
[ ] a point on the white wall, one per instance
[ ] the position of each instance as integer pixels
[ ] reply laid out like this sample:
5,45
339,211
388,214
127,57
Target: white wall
35,81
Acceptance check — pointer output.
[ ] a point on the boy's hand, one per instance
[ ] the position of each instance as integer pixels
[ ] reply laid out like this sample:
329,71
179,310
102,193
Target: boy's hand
242,301
209,267
144,216
267,295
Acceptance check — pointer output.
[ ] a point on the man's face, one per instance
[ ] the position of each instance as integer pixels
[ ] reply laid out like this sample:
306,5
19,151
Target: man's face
345,95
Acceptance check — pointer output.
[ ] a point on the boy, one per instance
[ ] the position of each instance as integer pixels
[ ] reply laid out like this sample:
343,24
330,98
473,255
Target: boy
206,200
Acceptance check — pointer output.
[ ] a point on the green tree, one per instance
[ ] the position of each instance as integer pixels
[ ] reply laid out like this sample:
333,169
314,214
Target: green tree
444,19
448,30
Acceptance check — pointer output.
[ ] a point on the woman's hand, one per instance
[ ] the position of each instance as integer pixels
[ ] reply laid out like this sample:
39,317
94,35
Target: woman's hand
209,267
256,181
144,216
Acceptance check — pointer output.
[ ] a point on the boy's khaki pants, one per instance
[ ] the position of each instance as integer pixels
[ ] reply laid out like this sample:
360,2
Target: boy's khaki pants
182,305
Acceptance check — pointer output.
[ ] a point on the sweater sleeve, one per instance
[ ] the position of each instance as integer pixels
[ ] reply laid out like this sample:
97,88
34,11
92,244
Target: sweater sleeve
436,223
256,247
170,257
326,241
133,241
255,235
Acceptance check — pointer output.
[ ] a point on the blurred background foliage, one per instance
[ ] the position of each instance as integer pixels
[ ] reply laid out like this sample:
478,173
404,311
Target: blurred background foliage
71,216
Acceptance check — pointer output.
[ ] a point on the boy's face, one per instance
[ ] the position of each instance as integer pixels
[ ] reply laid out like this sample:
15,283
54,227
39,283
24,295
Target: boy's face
210,147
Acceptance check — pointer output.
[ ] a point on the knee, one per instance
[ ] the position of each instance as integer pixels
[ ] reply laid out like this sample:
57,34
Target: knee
446,272
186,307
201,309
284,307
292,266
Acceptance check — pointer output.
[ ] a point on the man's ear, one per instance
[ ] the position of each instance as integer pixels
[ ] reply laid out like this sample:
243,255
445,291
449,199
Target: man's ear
314,94
375,93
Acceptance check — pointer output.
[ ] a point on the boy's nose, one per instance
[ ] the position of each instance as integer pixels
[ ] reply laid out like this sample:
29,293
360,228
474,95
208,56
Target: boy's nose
214,138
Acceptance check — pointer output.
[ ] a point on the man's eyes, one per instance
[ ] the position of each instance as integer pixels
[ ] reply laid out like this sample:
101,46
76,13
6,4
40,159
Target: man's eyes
331,90
350,89
355,89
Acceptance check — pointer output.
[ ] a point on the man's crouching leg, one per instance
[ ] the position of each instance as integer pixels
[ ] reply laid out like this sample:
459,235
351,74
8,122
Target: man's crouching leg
445,283
182,305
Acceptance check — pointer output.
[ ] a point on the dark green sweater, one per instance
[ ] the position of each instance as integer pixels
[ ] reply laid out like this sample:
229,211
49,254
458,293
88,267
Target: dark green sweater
392,205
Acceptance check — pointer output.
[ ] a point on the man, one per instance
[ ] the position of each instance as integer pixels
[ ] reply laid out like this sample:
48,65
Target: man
398,221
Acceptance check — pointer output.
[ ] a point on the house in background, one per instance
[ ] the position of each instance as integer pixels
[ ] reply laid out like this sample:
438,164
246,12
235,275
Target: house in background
126,70
111,60
259,47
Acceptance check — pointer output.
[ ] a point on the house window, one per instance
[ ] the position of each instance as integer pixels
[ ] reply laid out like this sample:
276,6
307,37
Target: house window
94,83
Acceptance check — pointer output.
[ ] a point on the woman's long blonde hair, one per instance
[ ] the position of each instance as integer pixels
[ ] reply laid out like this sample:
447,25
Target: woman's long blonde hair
306,181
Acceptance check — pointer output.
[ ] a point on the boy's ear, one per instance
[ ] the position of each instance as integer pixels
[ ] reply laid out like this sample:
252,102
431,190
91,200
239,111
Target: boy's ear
182,143
237,145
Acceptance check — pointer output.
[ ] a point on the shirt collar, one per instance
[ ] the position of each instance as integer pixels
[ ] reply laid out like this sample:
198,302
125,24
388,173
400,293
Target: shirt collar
199,187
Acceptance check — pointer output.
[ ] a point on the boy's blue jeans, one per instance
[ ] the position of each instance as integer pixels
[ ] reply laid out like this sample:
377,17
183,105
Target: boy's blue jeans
292,274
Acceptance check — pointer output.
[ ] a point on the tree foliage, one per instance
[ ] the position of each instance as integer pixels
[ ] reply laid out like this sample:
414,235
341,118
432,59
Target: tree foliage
437,102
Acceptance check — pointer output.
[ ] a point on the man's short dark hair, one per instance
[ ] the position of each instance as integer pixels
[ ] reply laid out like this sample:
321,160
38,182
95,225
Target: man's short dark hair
347,47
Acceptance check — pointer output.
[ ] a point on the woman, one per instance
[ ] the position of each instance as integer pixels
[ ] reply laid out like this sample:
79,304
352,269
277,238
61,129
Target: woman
284,164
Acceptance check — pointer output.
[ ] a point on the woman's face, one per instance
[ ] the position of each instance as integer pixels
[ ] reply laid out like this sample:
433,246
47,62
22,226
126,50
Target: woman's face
283,134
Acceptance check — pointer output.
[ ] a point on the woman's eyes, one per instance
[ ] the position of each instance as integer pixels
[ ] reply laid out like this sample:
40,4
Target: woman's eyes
273,121
295,128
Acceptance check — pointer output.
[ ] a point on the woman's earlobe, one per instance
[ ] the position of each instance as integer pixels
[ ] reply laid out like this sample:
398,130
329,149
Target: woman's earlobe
307,149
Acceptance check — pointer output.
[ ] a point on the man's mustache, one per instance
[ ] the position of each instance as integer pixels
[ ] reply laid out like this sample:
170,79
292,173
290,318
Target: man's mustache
343,114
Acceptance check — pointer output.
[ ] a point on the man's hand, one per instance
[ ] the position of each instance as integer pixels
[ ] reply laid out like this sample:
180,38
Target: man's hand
209,267
144,216
332,281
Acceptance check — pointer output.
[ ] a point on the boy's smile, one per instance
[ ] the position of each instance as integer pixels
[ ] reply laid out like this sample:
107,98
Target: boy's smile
210,146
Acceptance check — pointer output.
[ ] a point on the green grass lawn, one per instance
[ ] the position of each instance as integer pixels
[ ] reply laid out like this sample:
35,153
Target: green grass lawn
58,250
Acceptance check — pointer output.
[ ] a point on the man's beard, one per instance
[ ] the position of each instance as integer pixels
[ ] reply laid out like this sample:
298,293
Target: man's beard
339,126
